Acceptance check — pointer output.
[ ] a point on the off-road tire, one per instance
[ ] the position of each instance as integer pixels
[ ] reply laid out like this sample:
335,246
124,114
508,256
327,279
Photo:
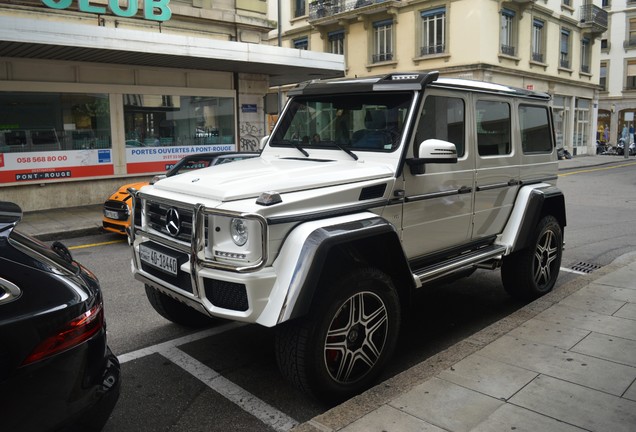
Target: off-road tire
533,271
368,337
175,311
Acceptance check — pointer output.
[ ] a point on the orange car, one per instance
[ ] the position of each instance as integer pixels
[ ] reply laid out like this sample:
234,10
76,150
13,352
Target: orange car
118,207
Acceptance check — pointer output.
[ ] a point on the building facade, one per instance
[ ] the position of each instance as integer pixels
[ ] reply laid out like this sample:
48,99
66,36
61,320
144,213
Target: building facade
97,93
617,101
551,46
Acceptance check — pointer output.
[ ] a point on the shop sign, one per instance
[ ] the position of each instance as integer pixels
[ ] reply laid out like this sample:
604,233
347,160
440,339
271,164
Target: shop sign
155,10
159,159
54,165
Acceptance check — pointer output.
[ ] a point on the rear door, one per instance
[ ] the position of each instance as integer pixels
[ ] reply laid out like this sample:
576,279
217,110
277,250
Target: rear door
497,164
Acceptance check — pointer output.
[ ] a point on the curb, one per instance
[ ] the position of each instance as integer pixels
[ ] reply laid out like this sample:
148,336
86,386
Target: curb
371,400
63,235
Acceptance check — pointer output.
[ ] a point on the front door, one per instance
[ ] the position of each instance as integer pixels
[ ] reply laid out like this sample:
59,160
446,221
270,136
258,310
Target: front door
438,204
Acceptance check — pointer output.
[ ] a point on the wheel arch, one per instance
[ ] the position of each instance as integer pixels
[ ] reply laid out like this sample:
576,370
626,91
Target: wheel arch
532,205
335,248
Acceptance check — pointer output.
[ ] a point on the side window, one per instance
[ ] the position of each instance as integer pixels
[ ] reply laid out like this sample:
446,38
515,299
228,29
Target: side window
443,118
493,128
535,129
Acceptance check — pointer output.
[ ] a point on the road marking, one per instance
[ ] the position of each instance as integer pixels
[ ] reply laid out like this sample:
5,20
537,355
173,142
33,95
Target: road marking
96,244
248,402
154,349
569,270
597,169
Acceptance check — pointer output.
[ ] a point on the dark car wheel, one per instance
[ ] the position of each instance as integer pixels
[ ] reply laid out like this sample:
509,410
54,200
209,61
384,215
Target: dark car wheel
532,272
341,347
175,311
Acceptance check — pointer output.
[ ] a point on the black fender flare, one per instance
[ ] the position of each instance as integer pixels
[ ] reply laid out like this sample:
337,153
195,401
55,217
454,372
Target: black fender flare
373,241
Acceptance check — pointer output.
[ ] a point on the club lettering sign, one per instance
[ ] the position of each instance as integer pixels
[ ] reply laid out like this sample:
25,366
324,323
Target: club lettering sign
156,10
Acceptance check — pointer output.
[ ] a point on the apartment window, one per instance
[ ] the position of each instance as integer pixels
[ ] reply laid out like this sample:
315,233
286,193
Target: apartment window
507,33
631,37
301,43
630,82
606,3
382,41
538,44
603,76
299,8
604,45
585,55
433,31
564,50
336,42
567,2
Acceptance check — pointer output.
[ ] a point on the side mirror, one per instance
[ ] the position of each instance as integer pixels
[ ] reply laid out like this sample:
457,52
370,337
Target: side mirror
432,151
263,142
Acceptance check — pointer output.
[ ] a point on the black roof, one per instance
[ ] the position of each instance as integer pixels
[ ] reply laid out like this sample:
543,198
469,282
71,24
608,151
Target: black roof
409,81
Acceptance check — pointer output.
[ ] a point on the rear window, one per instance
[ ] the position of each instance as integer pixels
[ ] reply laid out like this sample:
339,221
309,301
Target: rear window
534,123
42,252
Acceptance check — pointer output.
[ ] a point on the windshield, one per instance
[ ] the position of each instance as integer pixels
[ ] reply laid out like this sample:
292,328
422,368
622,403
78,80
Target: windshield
370,121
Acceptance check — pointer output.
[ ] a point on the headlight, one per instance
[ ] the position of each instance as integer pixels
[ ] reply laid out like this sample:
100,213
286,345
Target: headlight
238,230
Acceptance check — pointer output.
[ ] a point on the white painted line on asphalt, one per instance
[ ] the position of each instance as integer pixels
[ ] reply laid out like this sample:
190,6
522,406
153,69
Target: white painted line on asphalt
569,270
248,402
143,352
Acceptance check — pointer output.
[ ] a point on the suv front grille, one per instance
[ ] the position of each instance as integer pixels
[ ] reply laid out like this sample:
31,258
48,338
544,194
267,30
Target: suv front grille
156,217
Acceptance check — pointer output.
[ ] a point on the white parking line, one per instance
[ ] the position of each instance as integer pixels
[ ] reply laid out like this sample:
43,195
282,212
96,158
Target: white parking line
143,352
245,400
569,270
248,402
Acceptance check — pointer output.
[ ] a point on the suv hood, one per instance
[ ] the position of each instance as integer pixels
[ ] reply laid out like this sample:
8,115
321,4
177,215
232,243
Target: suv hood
249,178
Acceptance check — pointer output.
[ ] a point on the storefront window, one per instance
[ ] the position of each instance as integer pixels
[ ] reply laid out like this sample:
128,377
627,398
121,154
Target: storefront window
561,112
162,128
48,136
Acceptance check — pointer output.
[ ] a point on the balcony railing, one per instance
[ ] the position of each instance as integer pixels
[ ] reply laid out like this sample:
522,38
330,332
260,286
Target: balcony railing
538,57
377,58
630,42
564,63
432,49
594,18
585,68
326,8
508,50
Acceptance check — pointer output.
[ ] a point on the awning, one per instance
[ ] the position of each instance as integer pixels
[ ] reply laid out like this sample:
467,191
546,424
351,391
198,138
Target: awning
41,39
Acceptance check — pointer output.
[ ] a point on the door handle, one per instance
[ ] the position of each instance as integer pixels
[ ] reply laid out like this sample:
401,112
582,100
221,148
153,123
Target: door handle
514,182
464,190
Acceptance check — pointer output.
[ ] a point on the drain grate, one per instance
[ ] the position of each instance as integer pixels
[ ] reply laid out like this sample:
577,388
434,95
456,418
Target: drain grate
585,267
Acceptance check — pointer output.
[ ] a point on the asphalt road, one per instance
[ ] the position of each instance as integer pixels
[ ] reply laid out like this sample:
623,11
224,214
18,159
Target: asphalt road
225,377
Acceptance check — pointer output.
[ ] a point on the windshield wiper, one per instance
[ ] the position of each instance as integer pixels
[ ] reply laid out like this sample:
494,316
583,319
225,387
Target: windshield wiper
300,148
346,150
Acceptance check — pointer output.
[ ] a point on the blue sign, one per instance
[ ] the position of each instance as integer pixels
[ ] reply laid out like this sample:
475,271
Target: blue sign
103,156
248,108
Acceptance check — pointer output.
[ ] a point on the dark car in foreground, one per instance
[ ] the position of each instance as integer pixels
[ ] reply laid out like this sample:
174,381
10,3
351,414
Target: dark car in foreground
57,372
118,207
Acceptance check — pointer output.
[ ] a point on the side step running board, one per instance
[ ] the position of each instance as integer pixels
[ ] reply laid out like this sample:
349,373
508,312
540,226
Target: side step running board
435,271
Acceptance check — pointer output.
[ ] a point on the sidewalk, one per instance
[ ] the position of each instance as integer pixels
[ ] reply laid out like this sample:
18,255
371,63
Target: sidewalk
564,363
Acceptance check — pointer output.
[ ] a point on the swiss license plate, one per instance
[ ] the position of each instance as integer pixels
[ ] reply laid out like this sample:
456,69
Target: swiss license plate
160,260
111,214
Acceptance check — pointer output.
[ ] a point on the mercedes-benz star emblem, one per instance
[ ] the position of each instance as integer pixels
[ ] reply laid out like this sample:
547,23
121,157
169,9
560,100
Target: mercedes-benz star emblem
173,222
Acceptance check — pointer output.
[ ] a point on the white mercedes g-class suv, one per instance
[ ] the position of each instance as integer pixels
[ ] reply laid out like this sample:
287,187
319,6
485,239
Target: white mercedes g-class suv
367,190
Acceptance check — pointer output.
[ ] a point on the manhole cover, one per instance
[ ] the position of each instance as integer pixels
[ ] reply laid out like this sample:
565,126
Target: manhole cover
585,267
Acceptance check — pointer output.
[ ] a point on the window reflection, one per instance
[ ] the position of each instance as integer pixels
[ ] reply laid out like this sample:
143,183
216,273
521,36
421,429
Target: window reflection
163,120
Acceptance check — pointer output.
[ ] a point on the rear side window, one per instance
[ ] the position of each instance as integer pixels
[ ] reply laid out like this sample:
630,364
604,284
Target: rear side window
493,128
535,129
443,118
